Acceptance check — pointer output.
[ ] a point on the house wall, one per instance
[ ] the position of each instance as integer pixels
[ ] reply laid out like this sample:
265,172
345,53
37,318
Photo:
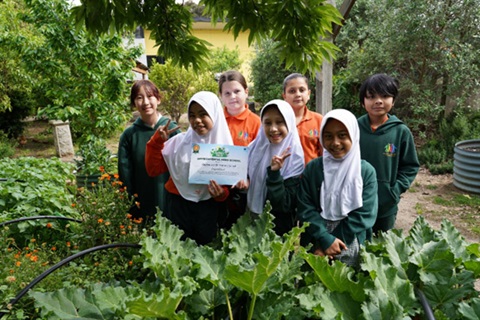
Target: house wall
217,38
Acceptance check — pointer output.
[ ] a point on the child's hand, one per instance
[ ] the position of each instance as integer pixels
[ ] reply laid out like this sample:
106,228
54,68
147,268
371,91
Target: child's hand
215,190
335,248
165,132
277,161
241,185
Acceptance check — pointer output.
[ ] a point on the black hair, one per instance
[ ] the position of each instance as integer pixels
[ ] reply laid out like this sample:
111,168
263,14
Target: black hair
381,84
291,77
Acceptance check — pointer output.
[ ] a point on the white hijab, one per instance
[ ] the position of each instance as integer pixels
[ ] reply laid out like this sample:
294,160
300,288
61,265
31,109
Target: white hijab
342,187
261,152
177,151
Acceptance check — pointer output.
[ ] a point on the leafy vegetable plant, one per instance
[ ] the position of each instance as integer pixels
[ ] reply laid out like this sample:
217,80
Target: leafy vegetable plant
254,274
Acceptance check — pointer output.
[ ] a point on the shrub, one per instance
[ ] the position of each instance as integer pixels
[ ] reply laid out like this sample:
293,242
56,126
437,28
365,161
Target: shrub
7,146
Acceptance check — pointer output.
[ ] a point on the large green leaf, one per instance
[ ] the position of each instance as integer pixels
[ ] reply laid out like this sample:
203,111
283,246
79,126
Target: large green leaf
337,277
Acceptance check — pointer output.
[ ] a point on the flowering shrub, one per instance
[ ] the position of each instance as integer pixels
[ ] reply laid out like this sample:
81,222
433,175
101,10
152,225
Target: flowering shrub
94,156
32,247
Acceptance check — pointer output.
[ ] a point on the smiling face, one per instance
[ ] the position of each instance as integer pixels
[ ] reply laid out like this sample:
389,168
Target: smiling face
146,102
199,119
296,93
378,105
274,125
336,139
234,97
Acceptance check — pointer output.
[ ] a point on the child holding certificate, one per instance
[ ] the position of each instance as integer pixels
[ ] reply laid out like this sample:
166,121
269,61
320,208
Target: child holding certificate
194,208
338,192
275,163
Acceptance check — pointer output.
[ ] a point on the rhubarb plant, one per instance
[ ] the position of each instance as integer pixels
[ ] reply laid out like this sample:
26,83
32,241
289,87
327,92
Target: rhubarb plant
251,273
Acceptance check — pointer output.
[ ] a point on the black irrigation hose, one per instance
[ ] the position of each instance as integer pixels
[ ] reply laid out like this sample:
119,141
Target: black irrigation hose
426,306
65,261
38,217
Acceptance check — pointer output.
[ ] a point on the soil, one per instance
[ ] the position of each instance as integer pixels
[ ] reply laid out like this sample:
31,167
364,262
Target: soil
421,198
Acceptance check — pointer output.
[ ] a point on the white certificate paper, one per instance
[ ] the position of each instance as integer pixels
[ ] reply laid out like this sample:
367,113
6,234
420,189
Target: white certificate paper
226,164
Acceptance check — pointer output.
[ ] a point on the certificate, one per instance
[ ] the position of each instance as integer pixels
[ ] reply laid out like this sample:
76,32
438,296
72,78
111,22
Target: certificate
226,164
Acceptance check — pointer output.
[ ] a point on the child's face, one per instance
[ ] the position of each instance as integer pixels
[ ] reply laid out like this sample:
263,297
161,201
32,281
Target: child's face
199,119
234,97
297,93
336,138
377,105
274,125
146,104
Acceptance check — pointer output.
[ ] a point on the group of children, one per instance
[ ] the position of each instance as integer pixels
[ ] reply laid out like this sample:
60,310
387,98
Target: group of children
309,167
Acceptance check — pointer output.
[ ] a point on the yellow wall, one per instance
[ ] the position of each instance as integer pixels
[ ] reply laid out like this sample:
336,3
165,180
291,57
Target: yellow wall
217,38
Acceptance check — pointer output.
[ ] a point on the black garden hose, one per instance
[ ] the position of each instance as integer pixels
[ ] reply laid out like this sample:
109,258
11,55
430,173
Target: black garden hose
37,218
63,262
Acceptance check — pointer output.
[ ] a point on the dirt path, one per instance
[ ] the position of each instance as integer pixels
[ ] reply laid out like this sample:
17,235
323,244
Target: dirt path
420,200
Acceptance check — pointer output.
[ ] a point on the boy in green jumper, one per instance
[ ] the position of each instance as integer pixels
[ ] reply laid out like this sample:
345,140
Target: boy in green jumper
387,143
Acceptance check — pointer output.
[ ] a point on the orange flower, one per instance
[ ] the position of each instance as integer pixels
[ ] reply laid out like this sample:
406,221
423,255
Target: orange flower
102,169
123,233
73,205
54,248
68,244
28,255
33,240
135,195
18,263
138,221
11,279
34,258
137,204
130,262
122,227
49,225
129,216
116,176
100,220
107,223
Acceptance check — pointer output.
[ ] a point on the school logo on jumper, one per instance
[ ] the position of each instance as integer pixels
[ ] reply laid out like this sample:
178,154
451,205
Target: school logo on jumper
243,135
313,133
390,150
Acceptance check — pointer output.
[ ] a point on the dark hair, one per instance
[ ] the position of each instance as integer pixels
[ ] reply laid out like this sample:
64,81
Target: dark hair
291,77
381,84
150,89
231,75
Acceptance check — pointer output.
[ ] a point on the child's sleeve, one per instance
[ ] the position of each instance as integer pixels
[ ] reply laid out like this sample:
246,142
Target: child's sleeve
281,193
361,219
308,209
154,161
408,165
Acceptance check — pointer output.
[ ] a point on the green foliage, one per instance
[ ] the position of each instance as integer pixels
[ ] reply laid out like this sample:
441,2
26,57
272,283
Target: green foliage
430,46
17,99
83,77
224,59
177,85
170,23
268,72
35,187
297,26
275,279
7,146
31,247
93,157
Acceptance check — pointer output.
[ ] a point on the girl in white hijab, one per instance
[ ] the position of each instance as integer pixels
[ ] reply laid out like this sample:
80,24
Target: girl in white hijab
275,163
193,207
338,191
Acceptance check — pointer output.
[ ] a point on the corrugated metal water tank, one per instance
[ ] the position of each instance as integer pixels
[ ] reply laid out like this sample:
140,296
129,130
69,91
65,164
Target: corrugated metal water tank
466,166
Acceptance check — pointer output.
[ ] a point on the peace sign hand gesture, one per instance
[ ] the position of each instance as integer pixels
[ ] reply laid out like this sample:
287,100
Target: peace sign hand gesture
165,132
277,161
